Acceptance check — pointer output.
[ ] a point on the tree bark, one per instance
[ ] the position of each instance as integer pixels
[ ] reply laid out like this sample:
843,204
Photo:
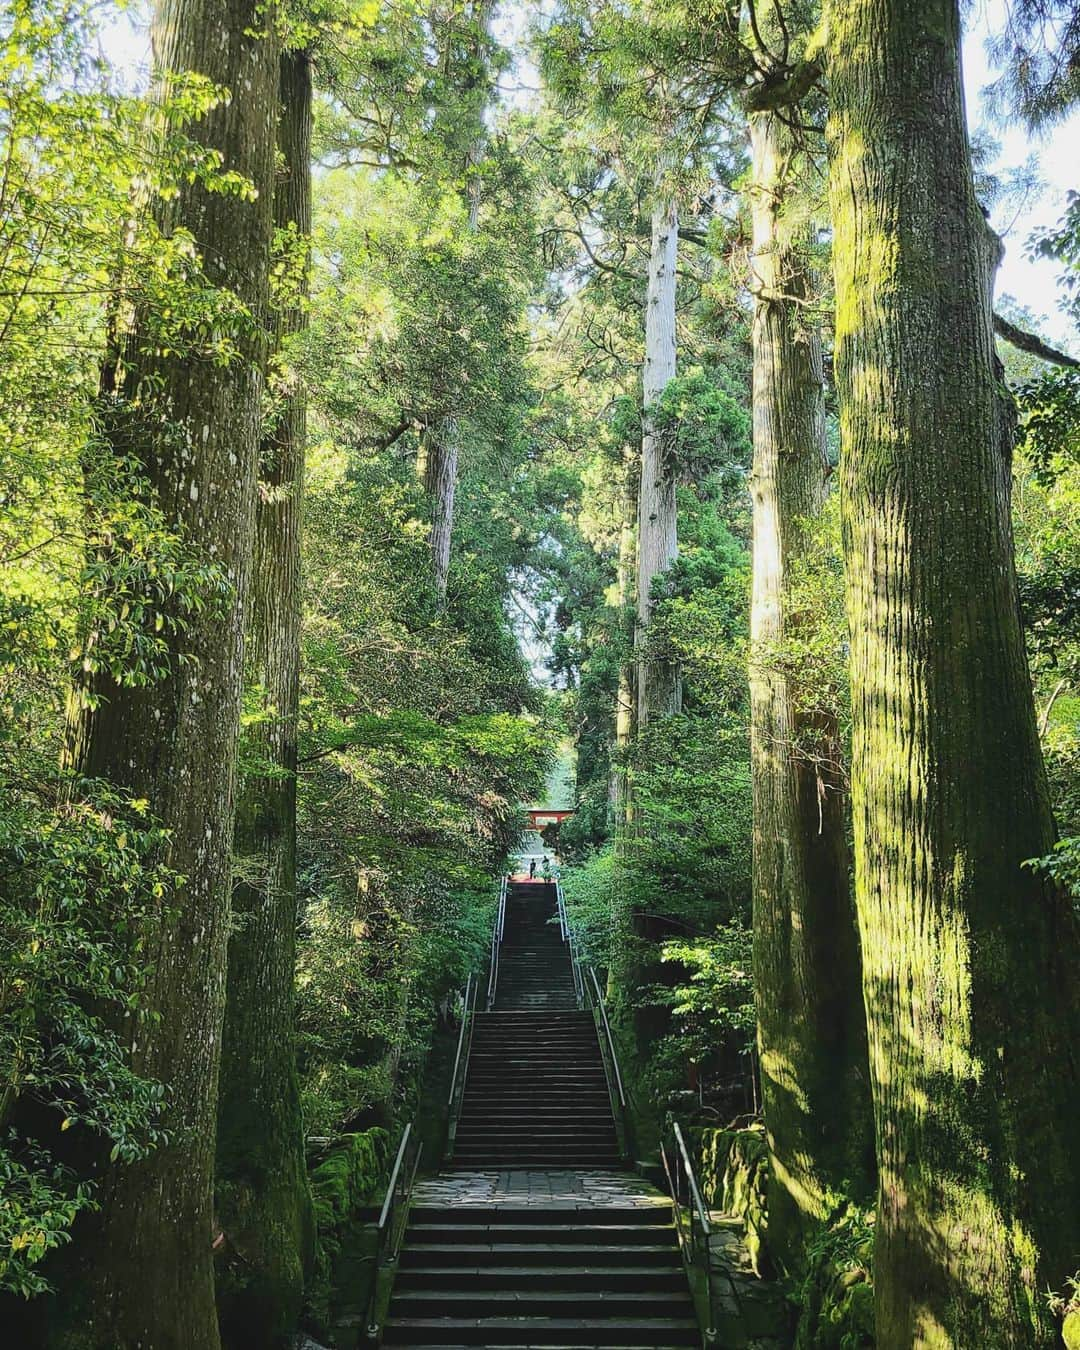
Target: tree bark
262,1196
440,483
659,685
444,442
969,958
144,1263
618,789
811,1025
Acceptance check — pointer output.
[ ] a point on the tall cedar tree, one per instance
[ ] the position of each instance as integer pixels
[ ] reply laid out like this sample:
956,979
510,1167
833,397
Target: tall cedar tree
659,691
145,1262
969,957
811,1026
262,1196
467,76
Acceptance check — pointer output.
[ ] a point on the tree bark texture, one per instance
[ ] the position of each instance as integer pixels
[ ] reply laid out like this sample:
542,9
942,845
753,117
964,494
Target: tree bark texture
145,1261
472,79
969,958
262,1198
440,484
811,1025
618,790
659,691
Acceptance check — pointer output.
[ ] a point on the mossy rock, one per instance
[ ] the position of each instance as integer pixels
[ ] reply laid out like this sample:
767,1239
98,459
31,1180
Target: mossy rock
349,1177
734,1172
345,1185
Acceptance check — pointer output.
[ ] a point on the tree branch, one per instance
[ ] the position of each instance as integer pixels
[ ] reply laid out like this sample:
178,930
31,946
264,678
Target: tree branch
783,88
1024,341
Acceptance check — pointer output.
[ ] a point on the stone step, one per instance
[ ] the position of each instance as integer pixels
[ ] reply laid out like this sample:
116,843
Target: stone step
544,1254
584,1303
658,1214
541,1331
582,1234
643,1278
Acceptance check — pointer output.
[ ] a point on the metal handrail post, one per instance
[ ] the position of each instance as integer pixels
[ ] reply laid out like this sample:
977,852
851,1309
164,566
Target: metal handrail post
496,943
393,1219
568,937
602,1006
699,1249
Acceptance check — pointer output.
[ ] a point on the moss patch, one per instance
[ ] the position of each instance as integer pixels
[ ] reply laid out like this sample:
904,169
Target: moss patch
734,1172
345,1185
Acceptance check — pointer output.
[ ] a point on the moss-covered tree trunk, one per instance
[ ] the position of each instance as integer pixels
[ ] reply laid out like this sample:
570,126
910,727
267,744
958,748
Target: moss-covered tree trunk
144,1261
659,686
969,957
262,1197
811,1026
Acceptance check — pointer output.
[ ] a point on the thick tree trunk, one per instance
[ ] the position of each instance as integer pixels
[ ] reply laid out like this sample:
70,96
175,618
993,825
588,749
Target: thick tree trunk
969,958
659,686
440,482
262,1197
145,1261
618,792
443,451
811,1025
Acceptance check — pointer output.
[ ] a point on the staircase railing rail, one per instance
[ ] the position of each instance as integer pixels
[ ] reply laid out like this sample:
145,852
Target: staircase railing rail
618,1093
496,943
461,1059
469,998
393,1220
691,1219
567,931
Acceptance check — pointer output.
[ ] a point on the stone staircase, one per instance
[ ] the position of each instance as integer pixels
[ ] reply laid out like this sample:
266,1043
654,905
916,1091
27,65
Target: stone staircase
508,1274
536,1237
534,971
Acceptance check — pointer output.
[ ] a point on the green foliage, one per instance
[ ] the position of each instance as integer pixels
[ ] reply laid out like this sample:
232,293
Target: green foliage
83,885
589,892
716,1003
836,1295
701,425
420,736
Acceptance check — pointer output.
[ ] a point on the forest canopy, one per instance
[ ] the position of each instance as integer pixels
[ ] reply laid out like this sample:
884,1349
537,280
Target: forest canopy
401,400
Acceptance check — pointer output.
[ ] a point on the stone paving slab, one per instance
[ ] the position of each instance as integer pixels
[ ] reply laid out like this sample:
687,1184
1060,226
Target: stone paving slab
537,1186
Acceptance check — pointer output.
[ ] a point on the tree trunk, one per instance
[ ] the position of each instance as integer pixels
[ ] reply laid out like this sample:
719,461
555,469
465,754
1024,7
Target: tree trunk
659,686
440,467
969,958
811,1025
618,792
262,1197
145,1262
440,483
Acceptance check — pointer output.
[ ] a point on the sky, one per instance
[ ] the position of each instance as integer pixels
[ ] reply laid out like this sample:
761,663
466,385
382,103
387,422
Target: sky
1033,284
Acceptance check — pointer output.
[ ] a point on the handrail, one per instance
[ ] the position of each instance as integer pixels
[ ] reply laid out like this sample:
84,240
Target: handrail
691,1221
691,1180
461,1060
496,943
393,1219
461,1036
602,1007
568,937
